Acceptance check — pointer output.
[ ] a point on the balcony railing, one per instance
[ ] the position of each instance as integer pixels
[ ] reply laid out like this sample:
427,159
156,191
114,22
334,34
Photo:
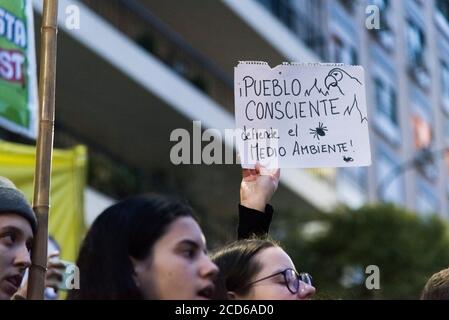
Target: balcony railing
149,32
305,19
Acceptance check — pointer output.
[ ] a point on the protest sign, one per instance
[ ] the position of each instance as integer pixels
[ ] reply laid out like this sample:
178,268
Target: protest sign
18,91
301,115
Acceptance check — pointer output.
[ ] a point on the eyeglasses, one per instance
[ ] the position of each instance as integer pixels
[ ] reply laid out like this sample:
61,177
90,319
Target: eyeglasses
291,277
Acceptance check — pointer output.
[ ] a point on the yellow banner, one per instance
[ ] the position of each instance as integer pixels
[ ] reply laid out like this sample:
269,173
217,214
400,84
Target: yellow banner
68,180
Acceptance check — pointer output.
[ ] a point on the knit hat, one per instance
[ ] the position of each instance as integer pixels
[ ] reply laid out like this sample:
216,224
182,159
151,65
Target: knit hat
13,201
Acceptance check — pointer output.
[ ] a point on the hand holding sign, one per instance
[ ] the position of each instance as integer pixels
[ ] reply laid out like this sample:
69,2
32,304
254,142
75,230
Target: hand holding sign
301,115
258,186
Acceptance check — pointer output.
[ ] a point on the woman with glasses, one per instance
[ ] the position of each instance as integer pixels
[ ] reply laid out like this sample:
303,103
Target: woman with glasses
259,269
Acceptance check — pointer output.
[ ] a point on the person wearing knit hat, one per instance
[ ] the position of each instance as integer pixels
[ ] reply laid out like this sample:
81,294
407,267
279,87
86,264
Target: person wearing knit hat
17,226
12,200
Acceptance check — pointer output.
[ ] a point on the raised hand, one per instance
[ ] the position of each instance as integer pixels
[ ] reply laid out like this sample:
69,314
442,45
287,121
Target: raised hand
258,186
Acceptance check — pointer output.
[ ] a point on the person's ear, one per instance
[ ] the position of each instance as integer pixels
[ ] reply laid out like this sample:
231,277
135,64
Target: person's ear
232,295
136,268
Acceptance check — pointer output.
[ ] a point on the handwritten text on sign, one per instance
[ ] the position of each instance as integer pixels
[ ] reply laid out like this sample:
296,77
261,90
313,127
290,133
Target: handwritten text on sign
301,115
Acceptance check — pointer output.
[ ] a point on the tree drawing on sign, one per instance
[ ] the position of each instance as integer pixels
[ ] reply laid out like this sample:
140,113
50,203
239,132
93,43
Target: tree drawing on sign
319,131
355,104
308,92
338,78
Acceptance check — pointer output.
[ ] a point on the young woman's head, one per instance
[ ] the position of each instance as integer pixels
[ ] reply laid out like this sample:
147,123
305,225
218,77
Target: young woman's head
145,247
258,269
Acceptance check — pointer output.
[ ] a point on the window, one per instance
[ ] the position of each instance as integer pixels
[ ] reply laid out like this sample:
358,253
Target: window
351,190
443,8
357,175
304,18
422,133
446,134
344,53
426,165
281,9
349,5
386,121
424,159
416,45
383,6
417,55
445,80
386,101
390,188
426,202
384,35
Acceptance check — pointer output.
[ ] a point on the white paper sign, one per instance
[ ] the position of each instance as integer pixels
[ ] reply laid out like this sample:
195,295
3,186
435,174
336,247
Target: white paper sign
301,115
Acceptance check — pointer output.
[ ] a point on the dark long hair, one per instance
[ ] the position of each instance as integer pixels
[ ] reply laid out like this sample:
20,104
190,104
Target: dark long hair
127,229
237,264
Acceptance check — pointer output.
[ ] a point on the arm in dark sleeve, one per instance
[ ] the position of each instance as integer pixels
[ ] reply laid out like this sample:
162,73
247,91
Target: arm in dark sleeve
254,222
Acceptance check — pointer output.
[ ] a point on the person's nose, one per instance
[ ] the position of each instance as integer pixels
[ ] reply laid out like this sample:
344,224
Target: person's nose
208,268
22,258
306,291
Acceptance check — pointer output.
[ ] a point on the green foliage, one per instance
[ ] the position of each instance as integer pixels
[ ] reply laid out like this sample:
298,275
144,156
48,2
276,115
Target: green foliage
406,247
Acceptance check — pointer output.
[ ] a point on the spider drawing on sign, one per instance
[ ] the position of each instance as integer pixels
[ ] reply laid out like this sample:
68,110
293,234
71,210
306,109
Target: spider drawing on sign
318,132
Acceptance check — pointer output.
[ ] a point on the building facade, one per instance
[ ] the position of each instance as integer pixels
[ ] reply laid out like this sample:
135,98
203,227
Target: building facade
135,70
406,67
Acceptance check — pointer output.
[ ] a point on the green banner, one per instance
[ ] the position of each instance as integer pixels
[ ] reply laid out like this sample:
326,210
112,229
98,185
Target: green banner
18,91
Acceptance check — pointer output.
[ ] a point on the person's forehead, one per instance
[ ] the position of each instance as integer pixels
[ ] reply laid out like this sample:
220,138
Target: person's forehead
13,220
184,228
274,259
